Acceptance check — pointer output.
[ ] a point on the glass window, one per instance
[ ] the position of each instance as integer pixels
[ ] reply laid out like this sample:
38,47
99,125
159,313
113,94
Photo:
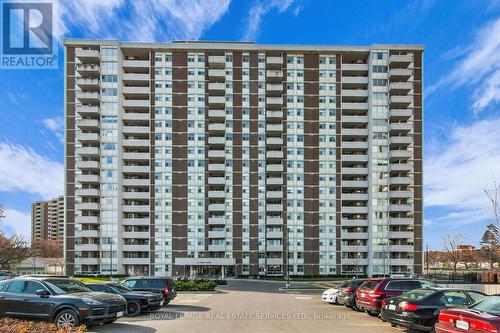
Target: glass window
32,286
15,286
454,298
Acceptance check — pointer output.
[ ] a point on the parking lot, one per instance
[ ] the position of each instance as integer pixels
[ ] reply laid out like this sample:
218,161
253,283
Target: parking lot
250,306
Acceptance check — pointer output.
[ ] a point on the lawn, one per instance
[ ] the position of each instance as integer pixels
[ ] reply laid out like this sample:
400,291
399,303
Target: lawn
92,280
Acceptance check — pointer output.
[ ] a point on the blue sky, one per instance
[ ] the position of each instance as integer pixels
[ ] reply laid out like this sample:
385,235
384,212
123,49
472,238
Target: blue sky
462,87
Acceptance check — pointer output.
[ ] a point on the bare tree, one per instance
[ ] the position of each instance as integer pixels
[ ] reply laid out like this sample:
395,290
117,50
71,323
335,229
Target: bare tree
493,196
48,248
12,251
452,251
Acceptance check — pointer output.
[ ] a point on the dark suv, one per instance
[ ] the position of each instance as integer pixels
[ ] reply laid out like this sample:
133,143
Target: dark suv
163,285
373,291
63,301
347,294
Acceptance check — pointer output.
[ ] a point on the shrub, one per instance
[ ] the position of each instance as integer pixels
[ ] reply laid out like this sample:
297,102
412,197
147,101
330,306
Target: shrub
195,285
10,325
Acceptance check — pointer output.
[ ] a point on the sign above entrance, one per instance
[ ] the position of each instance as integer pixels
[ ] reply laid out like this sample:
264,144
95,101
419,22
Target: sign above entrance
205,261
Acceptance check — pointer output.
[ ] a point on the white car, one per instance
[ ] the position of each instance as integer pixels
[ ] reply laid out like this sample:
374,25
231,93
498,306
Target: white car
330,295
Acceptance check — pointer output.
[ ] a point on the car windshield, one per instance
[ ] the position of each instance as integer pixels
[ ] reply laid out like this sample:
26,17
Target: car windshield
67,286
490,304
119,288
418,294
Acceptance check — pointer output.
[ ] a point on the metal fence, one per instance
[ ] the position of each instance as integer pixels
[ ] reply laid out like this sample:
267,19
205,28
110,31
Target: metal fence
465,277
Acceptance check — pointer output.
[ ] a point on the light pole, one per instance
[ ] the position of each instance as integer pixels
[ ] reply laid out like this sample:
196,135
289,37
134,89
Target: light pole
427,258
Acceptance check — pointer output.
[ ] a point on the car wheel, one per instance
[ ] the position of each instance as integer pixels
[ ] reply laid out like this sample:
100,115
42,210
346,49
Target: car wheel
165,302
67,318
373,314
133,309
336,302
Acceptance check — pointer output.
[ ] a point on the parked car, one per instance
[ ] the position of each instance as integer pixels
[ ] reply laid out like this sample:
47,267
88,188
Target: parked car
371,293
419,309
163,285
65,302
483,316
5,275
347,294
331,295
137,301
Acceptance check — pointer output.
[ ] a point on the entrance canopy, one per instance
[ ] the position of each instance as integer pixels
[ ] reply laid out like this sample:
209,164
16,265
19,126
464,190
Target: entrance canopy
205,261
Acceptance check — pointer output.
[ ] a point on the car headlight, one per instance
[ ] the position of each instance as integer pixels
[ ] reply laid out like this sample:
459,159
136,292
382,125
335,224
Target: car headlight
90,301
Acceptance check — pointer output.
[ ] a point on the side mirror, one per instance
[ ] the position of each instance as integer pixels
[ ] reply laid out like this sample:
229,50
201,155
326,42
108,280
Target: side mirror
42,293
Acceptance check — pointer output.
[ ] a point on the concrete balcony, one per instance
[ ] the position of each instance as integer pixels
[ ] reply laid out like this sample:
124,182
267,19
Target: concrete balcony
274,154
85,83
217,234
216,140
400,167
274,60
405,154
400,194
358,80
355,183
135,143
354,145
274,207
87,247
401,113
354,158
216,154
87,151
217,60
86,165
217,207
274,181
274,261
354,171
401,221
135,63
274,248
136,156
274,87
131,116
216,100
88,206
400,140
401,86
135,208
88,192
400,208
402,59
354,106
400,248
403,127
355,262
274,141
354,210
87,96
135,261
216,194
400,262
86,54
274,168
355,67
274,127
401,99
135,182
88,261
136,90
87,178
217,73
216,167
217,248
86,69
87,137
274,74
354,131
136,103
87,233
400,181
274,101
274,221
216,220
136,195
354,223
216,86
217,127
354,235
216,180
355,119
87,219
134,77
136,221
274,234
217,113
88,110
401,234
355,196
401,73
88,124
354,248
135,248
355,92
136,129
136,169
274,115
274,194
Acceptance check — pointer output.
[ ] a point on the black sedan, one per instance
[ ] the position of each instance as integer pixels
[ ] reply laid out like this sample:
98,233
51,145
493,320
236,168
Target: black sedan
137,301
419,309
63,301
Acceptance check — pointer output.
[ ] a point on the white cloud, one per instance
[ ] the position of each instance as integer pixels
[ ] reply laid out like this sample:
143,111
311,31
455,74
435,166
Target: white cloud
456,173
259,10
155,20
23,169
17,223
56,125
479,66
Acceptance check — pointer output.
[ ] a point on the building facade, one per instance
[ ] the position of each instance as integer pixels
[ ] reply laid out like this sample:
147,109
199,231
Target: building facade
47,220
243,159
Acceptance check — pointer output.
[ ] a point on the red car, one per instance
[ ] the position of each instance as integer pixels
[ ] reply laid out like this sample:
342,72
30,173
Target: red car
371,293
481,317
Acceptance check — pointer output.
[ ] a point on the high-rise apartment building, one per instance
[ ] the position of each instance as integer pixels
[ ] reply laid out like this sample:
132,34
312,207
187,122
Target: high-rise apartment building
201,157
47,220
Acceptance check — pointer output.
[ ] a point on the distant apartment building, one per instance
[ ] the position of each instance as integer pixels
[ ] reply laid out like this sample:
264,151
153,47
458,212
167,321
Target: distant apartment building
210,157
47,220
